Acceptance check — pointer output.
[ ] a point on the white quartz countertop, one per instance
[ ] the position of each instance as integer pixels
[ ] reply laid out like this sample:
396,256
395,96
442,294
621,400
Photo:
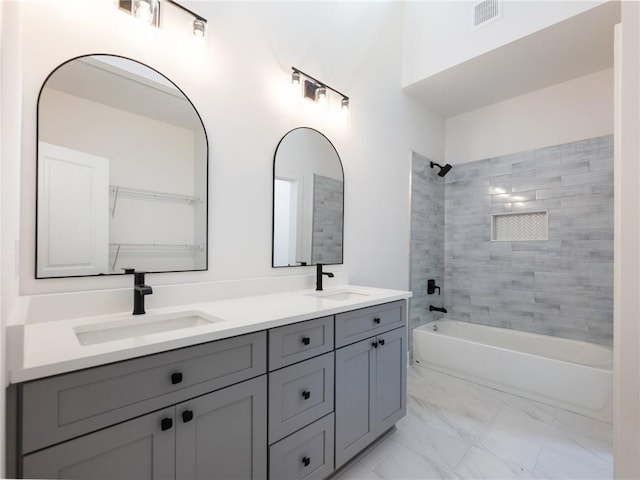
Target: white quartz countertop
51,348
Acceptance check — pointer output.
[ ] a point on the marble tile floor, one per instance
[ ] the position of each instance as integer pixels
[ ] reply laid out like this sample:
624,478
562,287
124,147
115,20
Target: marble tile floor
455,429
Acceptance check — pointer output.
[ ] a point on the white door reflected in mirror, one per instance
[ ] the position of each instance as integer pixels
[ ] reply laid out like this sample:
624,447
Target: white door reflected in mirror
73,229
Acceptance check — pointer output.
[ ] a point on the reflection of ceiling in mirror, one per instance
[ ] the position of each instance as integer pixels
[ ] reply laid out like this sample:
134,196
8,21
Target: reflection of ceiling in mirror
126,85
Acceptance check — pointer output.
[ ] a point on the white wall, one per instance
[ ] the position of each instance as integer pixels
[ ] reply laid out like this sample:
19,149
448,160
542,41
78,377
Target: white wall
567,112
440,34
627,256
10,131
239,79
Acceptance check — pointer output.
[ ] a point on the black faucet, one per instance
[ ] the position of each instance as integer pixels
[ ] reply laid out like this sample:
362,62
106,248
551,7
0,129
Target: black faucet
139,291
437,309
319,274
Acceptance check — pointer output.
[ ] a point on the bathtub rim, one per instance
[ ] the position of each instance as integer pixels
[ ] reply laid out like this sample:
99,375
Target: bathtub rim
608,368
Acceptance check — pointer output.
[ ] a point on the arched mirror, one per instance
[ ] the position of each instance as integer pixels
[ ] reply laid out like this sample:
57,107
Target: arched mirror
122,172
308,200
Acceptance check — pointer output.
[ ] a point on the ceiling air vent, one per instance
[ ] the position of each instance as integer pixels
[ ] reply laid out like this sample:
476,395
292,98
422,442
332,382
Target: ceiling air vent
486,12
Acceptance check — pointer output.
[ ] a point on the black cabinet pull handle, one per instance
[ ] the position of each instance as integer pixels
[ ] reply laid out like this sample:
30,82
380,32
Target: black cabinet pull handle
187,416
376,320
374,344
381,341
306,340
306,394
306,461
176,378
166,424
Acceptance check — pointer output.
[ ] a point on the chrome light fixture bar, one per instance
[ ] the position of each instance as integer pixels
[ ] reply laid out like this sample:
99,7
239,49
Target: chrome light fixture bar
314,89
148,11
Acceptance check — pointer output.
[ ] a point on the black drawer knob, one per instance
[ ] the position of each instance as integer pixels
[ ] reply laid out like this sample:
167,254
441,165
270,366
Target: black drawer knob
381,341
374,344
306,340
166,424
187,416
376,320
176,378
306,395
306,461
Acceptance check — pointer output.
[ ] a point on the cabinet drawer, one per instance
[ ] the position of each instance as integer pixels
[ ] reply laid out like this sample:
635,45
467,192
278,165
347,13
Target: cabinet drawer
299,341
357,325
307,454
299,395
65,406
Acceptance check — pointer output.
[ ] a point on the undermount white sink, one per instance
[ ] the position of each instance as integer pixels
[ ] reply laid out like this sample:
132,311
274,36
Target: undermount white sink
140,325
340,295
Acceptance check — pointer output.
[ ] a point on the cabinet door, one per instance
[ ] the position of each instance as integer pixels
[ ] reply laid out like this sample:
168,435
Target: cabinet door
139,448
390,399
223,435
355,383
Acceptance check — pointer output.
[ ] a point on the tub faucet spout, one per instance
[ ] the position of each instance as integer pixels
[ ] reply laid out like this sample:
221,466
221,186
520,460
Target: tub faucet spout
437,309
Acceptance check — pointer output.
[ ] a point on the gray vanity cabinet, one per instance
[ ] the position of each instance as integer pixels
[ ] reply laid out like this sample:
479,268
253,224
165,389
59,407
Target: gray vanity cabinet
139,449
223,435
215,411
370,390
195,412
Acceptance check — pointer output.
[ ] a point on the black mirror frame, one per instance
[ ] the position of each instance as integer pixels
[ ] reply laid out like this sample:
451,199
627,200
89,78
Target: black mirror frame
206,138
273,202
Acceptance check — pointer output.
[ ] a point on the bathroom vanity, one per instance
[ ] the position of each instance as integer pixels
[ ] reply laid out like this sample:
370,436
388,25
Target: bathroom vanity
296,395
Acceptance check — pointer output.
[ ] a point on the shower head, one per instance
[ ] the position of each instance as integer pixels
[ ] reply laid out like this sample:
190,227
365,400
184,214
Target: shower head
443,170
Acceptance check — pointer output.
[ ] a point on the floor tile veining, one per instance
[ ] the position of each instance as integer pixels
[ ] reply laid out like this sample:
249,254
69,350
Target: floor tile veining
458,429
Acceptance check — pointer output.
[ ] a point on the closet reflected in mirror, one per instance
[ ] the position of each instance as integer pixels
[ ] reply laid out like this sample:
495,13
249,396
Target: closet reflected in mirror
122,172
308,200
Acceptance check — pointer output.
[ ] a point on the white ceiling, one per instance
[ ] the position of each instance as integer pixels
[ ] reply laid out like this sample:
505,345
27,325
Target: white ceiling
575,47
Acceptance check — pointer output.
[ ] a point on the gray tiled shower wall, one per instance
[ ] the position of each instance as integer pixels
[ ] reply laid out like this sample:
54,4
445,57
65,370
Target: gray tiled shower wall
326,241
562,286
427,241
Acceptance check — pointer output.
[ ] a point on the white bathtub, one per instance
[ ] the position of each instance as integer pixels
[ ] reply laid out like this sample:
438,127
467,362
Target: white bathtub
569,374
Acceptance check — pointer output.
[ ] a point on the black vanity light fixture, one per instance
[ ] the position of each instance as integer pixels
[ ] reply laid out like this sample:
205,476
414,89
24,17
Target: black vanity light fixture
148,11
314,90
